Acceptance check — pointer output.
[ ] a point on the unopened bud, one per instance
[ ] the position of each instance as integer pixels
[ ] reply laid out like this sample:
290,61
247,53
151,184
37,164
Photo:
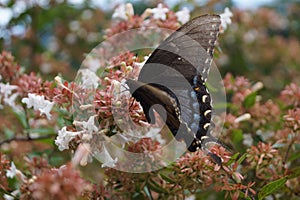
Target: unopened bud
243,117
257,86
147,13
123,63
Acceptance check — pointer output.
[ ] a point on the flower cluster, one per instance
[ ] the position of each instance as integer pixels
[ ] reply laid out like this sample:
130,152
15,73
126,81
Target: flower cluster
265,114
9,70
239,87
8,95
197,169
38,103
30,83
291,95
62,183
4,166
275,126
147,151
292,120
109,99
45,182
161,16
225,19
266,161
196,166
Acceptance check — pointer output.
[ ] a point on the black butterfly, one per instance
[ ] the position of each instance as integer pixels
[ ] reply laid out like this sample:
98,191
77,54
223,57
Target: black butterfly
174,76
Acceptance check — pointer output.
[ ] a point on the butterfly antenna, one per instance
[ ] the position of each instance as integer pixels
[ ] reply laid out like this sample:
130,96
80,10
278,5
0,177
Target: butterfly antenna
125,88
217,159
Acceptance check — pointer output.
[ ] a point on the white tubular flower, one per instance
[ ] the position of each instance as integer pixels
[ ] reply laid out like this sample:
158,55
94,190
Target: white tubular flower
88,126
47,107
6,91
39,103
8,197
64,137
106,158
183,16
12,171
129,9
243,117
115,88
30,100
225,19
123,11
12,196
10,101
146,13
89,78
160,12
257,86
59,82
120,13
81,155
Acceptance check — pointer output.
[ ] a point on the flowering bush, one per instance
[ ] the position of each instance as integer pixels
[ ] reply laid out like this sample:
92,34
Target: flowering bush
263,134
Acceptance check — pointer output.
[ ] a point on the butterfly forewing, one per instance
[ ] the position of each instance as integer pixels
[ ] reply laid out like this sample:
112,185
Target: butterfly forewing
193,43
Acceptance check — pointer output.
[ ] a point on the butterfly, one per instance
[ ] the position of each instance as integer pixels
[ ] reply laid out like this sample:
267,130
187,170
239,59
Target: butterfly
174,77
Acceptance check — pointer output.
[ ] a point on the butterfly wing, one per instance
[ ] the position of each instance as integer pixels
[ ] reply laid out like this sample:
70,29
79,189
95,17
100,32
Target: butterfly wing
188,50
178,69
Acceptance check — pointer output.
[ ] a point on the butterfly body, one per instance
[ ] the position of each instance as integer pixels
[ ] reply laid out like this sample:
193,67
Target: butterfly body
174,77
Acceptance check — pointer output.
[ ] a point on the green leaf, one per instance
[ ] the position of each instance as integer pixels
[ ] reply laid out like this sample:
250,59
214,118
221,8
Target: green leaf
249,101
155,187
295,173
8,133
22,119
294,156
232,159
138,196
147,192
270,188
43,131
237,136
244,197
242,158
167,178
56,160
3,191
